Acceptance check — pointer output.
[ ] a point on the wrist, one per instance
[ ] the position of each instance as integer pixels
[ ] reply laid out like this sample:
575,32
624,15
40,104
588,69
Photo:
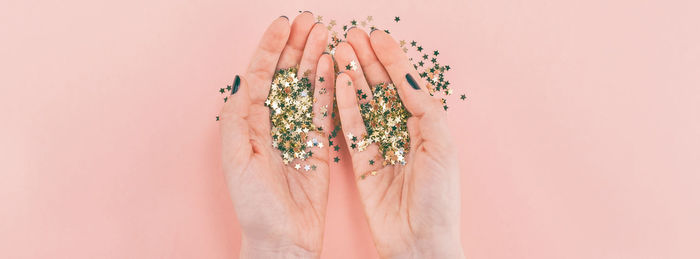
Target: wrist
432,248
266,249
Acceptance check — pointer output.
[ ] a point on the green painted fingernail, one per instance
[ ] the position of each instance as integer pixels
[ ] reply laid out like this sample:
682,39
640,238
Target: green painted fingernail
236,84
412,82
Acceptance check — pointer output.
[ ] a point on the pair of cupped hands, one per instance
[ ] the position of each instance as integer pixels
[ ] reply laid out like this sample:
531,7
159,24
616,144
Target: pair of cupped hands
413,210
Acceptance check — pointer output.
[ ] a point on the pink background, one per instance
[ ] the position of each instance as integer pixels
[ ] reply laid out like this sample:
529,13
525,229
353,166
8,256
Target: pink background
580,137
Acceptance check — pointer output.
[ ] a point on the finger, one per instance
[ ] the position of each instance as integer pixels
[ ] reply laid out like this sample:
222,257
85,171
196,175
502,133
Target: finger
373,69
291,55
235,136
411,87
315,44
262,65
354,128
347,62
323,93
323,105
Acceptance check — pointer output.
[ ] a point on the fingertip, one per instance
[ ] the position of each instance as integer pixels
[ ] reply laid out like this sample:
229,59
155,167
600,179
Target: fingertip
352,33
281,20
305,15
280,28
343,82
412,82
344,52
343,77
326,61
238,100
356,37
303,23
242,87
236,84
320,28
342,45
380,38
344,91
376,31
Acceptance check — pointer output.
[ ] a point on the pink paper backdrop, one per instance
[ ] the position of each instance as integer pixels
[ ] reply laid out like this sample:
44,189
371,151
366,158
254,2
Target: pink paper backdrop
580,137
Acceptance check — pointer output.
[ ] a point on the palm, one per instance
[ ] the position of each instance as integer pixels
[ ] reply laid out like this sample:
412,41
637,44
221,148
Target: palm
294,200
406,202
406,205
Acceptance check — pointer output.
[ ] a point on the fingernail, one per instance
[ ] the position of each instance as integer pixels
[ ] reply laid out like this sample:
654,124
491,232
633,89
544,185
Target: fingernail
412,82
236,84
325,52
353,27
308,12
373,30
285,17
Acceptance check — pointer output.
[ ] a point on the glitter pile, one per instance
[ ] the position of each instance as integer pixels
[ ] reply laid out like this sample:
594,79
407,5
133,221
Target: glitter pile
385,120
291,103
424,61
291,115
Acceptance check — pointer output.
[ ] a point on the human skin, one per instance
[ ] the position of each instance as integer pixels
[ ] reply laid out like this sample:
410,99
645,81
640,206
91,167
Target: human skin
412,210
281,210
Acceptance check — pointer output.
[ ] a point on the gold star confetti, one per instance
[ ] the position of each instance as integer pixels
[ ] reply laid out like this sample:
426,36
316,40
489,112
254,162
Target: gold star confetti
290,133
353,65
324,110
291,115
385,119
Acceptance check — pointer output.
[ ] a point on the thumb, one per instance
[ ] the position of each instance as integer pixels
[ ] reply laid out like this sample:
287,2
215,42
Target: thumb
235,136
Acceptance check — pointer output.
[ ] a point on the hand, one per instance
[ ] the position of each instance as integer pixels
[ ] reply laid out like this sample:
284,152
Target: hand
412,209
294,201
